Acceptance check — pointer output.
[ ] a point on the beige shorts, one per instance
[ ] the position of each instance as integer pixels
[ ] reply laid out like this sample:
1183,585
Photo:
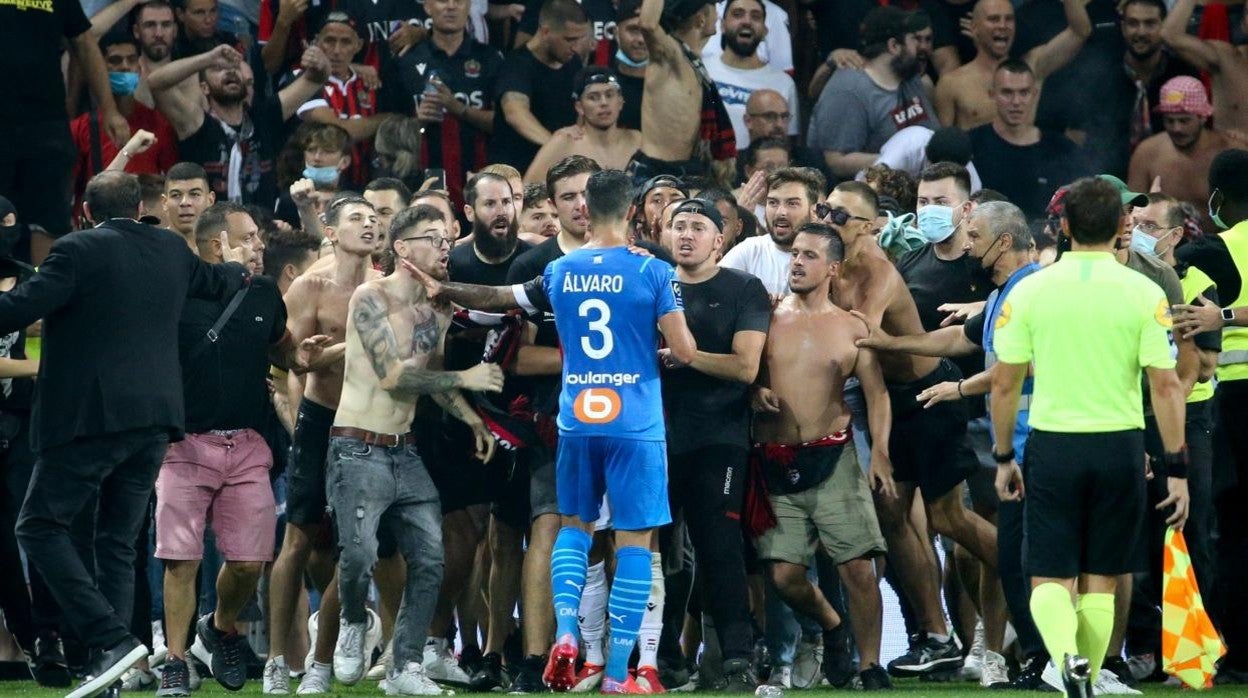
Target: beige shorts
839,513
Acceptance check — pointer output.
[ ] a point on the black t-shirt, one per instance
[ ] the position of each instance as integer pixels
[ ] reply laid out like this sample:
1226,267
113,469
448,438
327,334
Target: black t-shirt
471,73
31,34
550,99
632,89
1027,175
259,137
378,19
184,47
601,15
224,386
703,410
839,20
933,282
542,390
464,349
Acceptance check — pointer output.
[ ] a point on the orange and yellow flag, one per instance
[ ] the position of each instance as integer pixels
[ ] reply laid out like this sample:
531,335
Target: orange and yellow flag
1190,647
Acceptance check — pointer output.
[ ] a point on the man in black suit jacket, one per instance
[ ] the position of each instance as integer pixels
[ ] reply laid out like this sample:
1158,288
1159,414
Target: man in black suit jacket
108,402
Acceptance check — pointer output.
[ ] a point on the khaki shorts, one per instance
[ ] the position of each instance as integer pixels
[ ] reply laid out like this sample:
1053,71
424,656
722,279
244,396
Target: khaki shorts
839,513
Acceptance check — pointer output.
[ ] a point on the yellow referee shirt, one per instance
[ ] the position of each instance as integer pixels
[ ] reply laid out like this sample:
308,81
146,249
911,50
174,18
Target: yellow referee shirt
1090,325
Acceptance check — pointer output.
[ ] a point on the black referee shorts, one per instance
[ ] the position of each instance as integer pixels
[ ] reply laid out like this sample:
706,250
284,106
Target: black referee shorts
1085,504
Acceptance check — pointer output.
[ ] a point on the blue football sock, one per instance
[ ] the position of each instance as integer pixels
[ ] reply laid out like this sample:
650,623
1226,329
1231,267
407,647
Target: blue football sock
629,592
568,562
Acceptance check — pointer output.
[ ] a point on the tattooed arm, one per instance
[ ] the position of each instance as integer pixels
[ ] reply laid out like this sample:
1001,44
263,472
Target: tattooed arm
370,315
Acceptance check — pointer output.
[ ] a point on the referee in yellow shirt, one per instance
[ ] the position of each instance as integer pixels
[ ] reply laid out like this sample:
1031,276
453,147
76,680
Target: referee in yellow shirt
1090,325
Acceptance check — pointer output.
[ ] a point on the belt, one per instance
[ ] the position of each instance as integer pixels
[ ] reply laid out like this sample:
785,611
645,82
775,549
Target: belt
373,438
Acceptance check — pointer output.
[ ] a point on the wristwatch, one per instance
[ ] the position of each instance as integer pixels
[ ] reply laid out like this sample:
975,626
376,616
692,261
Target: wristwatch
1228,315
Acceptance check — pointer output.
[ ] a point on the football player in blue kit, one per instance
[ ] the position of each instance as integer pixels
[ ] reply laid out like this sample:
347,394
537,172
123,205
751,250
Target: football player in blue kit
610,306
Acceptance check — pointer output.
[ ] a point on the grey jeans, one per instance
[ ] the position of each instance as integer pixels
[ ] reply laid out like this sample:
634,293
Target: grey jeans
367,486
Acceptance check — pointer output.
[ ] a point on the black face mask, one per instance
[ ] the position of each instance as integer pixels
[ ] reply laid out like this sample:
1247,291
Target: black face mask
979,275
9,235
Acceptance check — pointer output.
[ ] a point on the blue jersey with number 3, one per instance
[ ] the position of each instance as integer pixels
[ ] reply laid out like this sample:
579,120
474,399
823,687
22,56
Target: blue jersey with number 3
607,303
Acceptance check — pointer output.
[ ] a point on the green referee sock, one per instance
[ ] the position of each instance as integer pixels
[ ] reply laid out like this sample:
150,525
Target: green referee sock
1096,624
1054,613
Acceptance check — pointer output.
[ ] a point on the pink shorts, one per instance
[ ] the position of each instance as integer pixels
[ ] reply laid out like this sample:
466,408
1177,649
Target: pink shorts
219,479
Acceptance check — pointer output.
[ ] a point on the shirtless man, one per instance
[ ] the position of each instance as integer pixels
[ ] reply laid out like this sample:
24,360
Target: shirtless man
1227,66
815,485
677,95
317,304
1177,161
923,442
374,472
962,98
597,134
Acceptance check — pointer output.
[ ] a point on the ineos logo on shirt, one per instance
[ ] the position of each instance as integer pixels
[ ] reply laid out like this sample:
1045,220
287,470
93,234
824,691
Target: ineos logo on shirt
474,99
596,406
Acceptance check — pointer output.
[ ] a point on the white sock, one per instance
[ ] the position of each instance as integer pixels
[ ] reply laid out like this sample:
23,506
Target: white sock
652,620
592,614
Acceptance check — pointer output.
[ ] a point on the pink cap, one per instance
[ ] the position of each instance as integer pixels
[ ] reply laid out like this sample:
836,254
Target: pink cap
1184,95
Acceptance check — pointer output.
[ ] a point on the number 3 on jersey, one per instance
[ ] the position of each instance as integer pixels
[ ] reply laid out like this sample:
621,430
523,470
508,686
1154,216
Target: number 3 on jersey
599,314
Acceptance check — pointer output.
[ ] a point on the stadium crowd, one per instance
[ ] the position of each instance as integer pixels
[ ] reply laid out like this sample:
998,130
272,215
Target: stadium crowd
965,279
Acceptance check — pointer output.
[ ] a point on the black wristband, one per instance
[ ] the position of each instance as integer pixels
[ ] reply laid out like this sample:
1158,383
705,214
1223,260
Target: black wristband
1176,463
960,394
1003,458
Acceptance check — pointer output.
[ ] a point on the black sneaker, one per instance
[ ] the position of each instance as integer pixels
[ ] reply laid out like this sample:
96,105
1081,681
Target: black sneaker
108,665
228,658
489,674
838,662
113,691
739,676
1077,676
529,677
1119,666
470,660
1030,676
927,656
47,664
673,673
175,679
874,678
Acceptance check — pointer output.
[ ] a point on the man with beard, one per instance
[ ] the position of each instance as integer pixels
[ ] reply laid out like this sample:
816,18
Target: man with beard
186,196
963,97
466,485
792,193
1227,66
1178,160
152,25
740,70
859,110
678,135
597,134
236,142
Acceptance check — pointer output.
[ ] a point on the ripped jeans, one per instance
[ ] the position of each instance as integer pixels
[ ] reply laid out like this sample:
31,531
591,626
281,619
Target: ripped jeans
368,486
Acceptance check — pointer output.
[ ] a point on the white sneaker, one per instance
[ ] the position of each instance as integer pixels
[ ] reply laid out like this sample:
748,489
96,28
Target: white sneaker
412,681
781,676
349,652
379,670
441,665
995,670
315,680
136,679
276,677
160,649
973,665
807,664
1142,666
1053,677
372,638
313,625
1108,684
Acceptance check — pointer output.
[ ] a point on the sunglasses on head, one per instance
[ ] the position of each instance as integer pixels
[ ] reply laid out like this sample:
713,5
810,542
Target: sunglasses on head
836,216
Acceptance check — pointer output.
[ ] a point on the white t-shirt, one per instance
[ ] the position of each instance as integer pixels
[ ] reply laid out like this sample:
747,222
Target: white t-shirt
736,85
760,256
776,50
907,151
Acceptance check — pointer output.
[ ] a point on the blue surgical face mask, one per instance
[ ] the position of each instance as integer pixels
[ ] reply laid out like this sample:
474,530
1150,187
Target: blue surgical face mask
321,176
624,59
1143,243
123,84
1213,213
936,222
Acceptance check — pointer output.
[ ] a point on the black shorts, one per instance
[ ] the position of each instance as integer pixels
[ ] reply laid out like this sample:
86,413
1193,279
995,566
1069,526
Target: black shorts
36,165
643,167
305,488
1085,504
926,444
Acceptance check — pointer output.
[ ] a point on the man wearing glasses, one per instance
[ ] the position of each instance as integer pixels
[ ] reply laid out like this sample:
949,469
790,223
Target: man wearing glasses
374,473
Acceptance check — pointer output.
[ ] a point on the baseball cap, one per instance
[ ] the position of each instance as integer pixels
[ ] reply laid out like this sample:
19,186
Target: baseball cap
592,75
888,22
701,207
663,180
1184,95
339,17
1129,197
677,11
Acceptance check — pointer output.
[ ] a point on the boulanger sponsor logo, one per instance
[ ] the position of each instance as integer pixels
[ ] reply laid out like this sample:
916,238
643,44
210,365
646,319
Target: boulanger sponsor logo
616,379
596,405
